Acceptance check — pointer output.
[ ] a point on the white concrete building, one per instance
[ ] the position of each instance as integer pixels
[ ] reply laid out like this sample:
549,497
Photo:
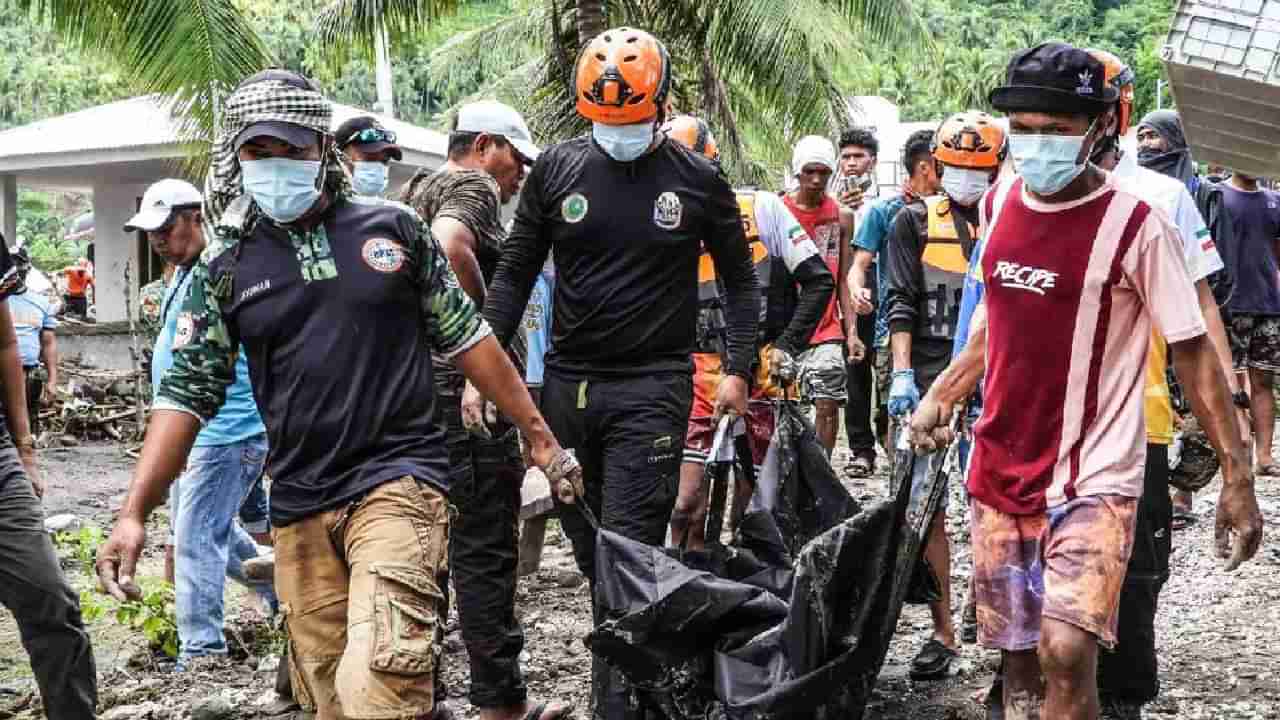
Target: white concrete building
115,151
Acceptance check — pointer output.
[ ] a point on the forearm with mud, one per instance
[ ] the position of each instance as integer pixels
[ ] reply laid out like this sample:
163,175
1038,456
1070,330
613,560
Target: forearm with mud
489,369
1205,385
1217,332
965,371
170,435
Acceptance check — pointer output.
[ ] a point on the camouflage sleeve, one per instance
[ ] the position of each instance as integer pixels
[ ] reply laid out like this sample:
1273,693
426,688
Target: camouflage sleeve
204,353
456,322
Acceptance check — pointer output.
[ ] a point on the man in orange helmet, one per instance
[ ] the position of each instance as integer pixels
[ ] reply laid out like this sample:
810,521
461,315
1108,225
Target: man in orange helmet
626,213
784,257
1127,677
925,262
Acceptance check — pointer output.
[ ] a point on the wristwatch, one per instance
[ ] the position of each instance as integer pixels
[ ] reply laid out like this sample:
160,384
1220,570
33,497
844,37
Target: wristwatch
1241,399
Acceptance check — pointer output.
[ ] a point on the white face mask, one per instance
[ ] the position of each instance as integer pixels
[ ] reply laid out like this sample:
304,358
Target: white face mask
369,178
965,185
623,143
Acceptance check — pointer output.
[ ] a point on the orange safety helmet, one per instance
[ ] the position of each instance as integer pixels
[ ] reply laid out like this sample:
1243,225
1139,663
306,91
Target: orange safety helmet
694,134
622,77
1120,77
970,140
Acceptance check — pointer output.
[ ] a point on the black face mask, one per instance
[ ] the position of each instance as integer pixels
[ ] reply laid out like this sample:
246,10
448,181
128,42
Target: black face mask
1147,156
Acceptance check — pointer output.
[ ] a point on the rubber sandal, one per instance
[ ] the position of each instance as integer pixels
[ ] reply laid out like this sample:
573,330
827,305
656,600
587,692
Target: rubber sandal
860,467
1182,519
933,661
1270,469
536,713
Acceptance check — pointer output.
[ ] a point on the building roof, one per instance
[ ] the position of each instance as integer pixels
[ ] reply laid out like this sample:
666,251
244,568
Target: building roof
143,129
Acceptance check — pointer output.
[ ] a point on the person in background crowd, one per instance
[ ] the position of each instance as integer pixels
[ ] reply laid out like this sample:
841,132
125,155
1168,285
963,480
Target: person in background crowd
866,292
34,323
489,147
925,260
785,258
626,213
1254,306
367,151
1128,677
859,151
822,366
226,463
338,300
1162,147
1052,526
46,608
79,279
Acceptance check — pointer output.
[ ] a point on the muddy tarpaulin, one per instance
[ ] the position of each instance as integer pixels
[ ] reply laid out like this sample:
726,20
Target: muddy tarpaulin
762,630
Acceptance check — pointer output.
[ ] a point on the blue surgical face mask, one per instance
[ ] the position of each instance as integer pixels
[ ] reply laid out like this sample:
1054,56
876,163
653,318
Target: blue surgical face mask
965,185
284,189
369,178
1048,163
623,143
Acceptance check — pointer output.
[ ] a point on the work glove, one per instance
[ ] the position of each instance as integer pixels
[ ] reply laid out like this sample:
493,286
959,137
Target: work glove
564,474
782,366
904,397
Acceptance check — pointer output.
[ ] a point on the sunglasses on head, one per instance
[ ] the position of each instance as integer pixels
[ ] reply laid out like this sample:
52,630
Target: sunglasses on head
371,135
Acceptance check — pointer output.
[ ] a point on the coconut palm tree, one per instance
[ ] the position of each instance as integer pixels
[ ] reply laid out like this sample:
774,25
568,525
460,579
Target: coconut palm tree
190,51
371,26
760,71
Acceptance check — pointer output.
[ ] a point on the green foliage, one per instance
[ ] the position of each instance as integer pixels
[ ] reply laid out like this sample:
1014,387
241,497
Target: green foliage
82,545
42,229
153,616
974,40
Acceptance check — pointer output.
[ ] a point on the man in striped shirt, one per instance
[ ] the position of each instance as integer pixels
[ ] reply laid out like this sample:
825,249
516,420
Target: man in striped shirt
1077,272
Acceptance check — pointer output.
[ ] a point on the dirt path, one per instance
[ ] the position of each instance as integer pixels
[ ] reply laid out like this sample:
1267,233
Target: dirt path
1216,630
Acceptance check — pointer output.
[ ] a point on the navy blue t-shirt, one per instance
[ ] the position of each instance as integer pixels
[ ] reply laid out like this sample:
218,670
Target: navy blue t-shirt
1252,259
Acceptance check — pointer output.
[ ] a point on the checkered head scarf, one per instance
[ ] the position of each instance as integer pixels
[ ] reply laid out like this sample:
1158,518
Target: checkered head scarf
271,95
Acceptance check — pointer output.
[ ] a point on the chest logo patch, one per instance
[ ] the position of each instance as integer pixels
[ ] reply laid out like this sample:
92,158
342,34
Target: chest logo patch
1025,277
667,211
574,208
383,255
184,330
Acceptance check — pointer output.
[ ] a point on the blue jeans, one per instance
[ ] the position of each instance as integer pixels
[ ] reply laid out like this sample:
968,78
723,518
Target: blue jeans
209,543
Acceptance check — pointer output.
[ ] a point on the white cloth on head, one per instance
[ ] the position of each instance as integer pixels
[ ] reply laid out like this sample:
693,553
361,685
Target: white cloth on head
813,149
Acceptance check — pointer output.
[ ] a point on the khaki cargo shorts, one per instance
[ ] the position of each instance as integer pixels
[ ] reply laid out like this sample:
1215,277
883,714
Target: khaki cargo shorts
361,594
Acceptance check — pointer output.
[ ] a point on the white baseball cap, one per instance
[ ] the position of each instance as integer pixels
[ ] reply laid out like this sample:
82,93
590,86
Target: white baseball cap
495,118
813,149
159,202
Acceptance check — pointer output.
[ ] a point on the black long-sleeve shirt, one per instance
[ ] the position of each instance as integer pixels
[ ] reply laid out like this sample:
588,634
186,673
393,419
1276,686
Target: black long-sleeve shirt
923,298
626,240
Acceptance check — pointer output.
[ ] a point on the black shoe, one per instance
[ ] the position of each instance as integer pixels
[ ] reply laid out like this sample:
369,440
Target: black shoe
969,624
933,662
1120,710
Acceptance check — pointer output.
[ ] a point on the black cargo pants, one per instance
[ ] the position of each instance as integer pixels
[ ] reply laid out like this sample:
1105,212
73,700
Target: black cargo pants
33,588
1130,673
484,486
628,434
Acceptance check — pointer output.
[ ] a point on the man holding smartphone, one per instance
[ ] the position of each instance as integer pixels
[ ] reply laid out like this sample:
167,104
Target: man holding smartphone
859,149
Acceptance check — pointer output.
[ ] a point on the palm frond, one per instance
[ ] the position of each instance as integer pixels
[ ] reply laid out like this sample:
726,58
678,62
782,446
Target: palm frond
345,26
189,52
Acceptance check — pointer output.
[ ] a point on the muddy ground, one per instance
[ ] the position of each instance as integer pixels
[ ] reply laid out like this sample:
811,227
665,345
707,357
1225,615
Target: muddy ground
1217,631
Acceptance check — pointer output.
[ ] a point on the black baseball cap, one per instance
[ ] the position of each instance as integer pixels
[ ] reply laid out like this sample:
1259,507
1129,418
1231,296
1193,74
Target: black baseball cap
352,132
1054,77
295,135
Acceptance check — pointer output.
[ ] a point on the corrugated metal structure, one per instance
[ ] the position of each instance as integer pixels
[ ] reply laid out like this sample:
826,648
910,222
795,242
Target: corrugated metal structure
1223,58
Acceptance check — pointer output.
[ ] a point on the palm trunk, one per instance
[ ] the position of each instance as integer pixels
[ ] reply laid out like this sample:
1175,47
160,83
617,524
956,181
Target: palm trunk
382,72
592,20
